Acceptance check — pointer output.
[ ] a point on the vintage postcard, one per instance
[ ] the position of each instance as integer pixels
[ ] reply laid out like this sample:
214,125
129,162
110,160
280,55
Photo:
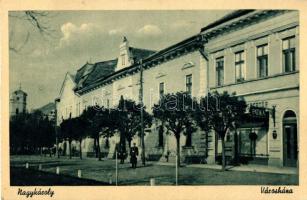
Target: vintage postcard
153,100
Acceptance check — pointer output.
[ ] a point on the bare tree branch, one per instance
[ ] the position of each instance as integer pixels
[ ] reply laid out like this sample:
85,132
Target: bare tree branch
39,20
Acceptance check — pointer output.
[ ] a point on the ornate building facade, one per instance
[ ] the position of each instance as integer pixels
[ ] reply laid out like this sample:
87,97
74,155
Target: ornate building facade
252,52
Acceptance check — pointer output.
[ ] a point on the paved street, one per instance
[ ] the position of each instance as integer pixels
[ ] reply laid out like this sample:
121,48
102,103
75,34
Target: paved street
103,171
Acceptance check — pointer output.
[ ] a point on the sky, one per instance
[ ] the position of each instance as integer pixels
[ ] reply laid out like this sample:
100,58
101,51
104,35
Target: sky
77,37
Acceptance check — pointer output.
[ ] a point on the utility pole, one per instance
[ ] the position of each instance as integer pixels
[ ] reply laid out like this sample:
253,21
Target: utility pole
56,128
142,113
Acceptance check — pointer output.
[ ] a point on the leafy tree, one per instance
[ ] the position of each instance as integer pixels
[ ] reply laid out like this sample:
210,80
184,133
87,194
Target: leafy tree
92,119
79,129
175,110
224,112
108,119
128,121
67,132
99,122
30,132
201,116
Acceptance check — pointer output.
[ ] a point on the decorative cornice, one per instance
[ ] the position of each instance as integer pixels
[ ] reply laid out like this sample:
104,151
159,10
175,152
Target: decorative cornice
238,23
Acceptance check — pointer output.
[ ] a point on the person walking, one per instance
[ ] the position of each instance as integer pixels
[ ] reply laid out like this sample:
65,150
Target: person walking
134,152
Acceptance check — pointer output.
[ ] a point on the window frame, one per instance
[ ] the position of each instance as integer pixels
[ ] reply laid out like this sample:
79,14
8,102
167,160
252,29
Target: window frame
218,68
264,55
289,50
161,83
240,63
189,84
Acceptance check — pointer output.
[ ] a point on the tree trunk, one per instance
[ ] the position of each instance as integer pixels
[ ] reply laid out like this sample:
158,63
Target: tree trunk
223,154
80,150
161,136
129,142
98,149
178,150
107,143
69,144
95,148
188,142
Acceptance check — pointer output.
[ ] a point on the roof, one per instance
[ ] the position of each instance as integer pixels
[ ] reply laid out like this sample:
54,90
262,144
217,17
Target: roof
228,17
46,109
90,73
138,53
101,70
20,91
152,55
82,72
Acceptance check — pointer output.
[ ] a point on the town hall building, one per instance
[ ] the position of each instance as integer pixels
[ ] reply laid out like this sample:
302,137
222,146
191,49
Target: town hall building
254,53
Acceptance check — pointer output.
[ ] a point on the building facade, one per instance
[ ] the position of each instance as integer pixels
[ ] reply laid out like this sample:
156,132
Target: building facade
254,53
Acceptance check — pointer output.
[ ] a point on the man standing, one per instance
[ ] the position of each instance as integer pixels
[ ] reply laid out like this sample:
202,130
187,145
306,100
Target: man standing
134,152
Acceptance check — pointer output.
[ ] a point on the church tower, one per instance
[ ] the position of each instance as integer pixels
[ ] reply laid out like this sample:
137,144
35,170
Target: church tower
18,102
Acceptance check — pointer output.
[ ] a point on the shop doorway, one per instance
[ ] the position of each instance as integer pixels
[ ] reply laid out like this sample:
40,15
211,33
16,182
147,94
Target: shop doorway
290,139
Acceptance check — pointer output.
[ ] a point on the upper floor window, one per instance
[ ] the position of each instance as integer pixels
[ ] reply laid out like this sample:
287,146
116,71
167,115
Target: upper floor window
161,89
240,66
288,48
219,71
123,59
262,60
108,103
188,84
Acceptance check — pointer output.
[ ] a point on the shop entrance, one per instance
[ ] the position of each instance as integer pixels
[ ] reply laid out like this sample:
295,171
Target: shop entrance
290,139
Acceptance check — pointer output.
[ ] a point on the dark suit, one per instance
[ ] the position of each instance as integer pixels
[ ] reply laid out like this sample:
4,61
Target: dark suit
134,152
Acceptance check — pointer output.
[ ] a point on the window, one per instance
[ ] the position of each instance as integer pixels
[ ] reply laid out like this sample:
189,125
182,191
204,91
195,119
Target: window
262,60
123,59
219,71
161,90
188,84
240,66
108,103
288,48
17,111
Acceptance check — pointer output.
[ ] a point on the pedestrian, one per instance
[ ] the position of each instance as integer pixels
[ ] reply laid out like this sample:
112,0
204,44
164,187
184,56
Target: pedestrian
134,152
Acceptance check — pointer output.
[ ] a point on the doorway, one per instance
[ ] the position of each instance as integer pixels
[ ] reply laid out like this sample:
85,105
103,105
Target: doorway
290,147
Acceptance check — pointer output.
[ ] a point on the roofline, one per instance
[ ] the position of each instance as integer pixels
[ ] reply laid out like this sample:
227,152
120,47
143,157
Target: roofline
240,20
226,18
150,58
67,74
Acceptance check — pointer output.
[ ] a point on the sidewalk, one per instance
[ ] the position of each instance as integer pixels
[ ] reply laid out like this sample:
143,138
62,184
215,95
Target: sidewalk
246,168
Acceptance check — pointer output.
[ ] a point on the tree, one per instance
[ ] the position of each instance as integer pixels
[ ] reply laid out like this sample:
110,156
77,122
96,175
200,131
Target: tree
67,132
224,112
176,111
128,121
33,22
92,118
79,129
30,132
201,116
108,124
